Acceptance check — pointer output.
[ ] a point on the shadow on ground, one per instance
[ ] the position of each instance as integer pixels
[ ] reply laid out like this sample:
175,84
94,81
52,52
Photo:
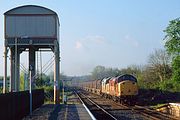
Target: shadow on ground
153,97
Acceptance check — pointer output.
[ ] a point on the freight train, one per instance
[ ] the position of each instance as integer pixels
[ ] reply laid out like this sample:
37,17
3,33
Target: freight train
123,89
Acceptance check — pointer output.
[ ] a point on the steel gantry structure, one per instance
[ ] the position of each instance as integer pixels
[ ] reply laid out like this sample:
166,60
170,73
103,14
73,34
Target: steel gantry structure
30,28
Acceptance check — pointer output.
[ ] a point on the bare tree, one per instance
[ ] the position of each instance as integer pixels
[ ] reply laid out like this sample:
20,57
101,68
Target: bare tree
159,64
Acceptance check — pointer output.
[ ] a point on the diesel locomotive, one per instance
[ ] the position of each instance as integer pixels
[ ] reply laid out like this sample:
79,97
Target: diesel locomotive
123,89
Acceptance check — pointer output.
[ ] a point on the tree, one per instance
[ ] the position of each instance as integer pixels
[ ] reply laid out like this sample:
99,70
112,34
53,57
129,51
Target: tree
100,72
172,45
173,37
43,80
159,65
22,87
132,69
176,68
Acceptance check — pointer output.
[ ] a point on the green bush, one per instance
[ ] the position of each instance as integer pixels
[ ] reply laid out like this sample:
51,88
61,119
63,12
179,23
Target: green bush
176,85
49,91
166,85
169,85
1,90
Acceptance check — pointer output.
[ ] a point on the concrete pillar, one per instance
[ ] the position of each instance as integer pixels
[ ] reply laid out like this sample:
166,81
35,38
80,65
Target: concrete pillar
5,71
16,67
12,74
56,73
17,71
32,61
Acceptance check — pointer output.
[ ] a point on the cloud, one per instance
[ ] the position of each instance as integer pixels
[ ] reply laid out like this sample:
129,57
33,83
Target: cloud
78,45
95,39
131,41
90,42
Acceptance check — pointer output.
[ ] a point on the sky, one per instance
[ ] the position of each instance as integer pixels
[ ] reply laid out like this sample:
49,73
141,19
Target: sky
111,33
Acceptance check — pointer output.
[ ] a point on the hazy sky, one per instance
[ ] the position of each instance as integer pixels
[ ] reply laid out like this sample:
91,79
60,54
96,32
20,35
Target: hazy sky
112,33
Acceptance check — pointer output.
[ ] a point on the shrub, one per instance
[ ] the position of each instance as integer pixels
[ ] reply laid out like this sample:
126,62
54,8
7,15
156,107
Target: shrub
48,91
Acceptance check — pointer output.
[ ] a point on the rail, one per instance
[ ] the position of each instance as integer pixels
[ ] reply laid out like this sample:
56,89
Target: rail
146,112
98,111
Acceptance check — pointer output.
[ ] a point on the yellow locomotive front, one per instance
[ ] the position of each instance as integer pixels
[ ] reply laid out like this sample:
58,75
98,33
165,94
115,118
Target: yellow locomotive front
127,88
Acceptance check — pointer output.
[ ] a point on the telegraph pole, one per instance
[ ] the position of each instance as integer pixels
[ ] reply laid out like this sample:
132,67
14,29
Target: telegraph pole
56,72
5,71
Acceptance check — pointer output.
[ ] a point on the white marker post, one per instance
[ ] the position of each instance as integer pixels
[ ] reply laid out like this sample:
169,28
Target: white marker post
30,90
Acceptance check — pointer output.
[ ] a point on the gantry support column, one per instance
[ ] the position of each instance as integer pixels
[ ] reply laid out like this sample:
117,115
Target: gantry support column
17,71
12,74
16,66
5,71
32,65
56,72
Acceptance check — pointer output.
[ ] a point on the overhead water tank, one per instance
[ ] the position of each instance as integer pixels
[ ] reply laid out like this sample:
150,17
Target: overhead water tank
30,22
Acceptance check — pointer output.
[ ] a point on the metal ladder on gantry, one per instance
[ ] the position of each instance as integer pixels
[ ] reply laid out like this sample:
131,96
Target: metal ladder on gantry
30,28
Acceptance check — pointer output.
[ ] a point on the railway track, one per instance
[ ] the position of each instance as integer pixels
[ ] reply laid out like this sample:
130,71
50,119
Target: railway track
119,111
98,112
104,109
